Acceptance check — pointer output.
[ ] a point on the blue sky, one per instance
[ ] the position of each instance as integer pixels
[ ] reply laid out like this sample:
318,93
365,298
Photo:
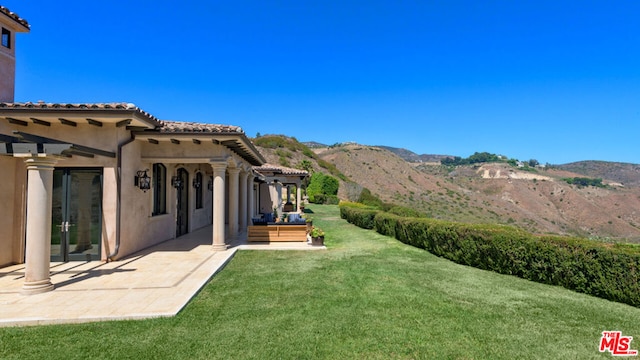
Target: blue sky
556,81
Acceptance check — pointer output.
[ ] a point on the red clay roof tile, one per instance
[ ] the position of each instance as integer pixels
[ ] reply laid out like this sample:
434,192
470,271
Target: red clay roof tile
193,127
280,170
14,17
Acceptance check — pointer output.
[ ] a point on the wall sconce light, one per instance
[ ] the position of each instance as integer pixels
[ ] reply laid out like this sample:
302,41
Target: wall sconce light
210,184
176,182
196,183
142,180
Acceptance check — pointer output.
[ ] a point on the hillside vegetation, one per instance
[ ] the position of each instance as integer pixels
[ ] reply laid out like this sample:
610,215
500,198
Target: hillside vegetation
538,199
623,173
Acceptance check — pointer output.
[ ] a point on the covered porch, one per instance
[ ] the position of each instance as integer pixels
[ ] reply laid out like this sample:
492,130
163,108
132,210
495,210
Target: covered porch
155,282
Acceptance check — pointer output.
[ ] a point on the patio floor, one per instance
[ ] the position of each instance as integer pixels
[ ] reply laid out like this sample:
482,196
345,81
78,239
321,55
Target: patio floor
156,282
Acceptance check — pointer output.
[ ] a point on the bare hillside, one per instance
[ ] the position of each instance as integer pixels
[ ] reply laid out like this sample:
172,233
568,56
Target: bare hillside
537,201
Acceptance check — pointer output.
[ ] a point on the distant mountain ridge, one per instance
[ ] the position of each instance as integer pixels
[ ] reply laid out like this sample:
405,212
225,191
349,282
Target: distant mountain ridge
536,199
412,157
314,145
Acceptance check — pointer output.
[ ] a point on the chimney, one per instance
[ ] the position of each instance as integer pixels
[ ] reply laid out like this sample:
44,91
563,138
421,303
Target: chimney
10,24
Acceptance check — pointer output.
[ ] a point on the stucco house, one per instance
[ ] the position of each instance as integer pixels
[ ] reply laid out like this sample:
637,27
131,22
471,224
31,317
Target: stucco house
102,181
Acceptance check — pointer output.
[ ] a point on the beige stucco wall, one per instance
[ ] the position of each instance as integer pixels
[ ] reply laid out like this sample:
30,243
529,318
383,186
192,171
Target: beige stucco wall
13,192
7,75
7,211
131,218
201,217
7,64
139,229
19,209
268,197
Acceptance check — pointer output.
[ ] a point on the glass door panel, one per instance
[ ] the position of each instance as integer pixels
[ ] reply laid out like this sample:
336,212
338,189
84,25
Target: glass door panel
85,214
77,215
58,208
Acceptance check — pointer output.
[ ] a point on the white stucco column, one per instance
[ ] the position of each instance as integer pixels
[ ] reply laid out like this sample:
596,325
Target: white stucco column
219,170
242,184
234,196
38,248
279,197
298,196
251,198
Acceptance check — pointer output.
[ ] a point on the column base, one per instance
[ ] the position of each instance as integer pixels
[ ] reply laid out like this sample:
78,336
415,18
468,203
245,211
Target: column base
36,287
219,247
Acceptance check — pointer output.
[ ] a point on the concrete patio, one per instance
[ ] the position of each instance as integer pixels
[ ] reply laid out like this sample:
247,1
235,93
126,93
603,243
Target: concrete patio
156,282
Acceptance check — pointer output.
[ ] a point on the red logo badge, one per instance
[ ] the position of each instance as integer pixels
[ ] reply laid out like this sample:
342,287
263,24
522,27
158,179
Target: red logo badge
618,345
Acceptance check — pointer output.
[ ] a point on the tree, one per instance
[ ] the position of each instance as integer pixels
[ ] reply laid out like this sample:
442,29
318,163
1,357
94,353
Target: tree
330,185
305,165
322,187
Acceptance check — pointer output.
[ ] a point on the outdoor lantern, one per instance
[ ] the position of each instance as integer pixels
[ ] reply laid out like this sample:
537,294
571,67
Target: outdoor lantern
196,183
142,180
176,182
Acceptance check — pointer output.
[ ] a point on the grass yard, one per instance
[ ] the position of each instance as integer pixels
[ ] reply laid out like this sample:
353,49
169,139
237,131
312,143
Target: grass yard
367,297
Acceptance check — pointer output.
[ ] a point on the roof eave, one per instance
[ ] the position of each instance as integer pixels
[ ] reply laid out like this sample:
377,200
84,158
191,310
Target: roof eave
254,157
7,110
20,24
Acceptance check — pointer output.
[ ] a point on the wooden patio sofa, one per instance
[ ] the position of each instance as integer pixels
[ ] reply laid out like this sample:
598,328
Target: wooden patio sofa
277,232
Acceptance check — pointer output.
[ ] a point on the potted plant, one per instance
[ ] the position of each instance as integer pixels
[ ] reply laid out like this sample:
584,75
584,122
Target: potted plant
275,215
317,236
309,221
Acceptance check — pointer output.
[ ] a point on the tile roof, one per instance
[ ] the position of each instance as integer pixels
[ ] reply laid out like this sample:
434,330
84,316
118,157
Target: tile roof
14,17
77,107
233,136
193,127
280,170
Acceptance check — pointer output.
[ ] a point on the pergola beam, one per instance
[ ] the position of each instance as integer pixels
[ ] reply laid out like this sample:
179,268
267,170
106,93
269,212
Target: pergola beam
78,149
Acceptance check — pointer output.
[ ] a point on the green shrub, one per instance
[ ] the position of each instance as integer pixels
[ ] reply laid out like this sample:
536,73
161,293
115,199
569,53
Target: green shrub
317,198
368,198
308,153
386,223
361,216
332,200
583,182
322,186
405,211
608,271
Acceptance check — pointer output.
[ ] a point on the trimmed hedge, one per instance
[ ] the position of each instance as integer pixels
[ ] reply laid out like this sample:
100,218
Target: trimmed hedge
358,214
604,270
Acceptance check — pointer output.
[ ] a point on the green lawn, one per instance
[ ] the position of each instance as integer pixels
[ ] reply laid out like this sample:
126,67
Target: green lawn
367,297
